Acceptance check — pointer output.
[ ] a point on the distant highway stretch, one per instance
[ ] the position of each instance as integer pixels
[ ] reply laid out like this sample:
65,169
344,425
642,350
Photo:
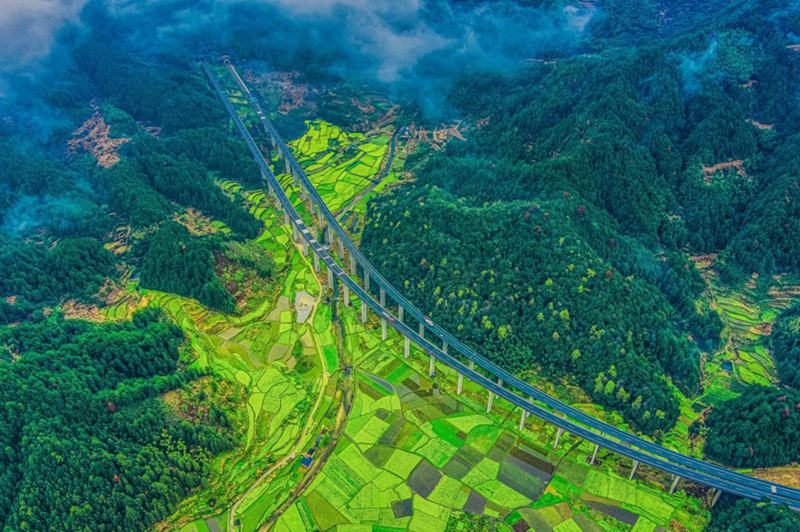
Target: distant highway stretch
596,431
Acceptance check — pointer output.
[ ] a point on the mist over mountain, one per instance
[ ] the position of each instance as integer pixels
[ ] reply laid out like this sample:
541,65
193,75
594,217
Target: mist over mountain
600,196
413,50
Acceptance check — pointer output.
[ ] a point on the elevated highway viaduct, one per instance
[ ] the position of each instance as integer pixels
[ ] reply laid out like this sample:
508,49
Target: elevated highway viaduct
448,349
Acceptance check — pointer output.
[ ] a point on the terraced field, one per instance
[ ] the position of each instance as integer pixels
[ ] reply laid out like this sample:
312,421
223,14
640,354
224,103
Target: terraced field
747,315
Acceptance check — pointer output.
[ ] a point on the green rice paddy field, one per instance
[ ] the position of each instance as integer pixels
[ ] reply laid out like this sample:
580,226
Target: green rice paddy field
342,164
416,457
261,351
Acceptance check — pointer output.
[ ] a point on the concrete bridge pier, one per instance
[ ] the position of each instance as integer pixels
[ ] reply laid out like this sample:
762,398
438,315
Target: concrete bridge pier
432,367
346,292
594,454
422,330
383,297
303,192
400,311
286,218
491,395
633,469
286,164
352,265
332,282
294,178
715,498
310,207
522,419
316,262
295,234
673,487
406,346
363,312
383,329
341,249
460,384
366,280
558,437
321,218
444,346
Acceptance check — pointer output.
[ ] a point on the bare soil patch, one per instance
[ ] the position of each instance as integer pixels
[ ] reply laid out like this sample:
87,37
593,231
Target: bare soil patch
93,137
737,164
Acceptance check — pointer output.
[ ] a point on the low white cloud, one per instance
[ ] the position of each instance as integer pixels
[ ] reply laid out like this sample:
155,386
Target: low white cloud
28,27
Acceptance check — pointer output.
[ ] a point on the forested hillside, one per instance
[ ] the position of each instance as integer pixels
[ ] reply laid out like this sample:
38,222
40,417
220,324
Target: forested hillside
523,282
32,274
87,442
558,235
786,347
744,515
174,261
80,202
759,429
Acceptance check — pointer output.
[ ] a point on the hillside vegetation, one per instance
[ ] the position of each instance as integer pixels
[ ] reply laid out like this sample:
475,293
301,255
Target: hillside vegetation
557,237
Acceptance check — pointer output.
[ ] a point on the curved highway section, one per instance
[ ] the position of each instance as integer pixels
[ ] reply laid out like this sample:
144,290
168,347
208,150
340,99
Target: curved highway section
596,431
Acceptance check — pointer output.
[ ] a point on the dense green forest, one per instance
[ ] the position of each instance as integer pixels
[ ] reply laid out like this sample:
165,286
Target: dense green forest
760,428
743,515
87,443
175,261
786,347
622,162
522,281
32,275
